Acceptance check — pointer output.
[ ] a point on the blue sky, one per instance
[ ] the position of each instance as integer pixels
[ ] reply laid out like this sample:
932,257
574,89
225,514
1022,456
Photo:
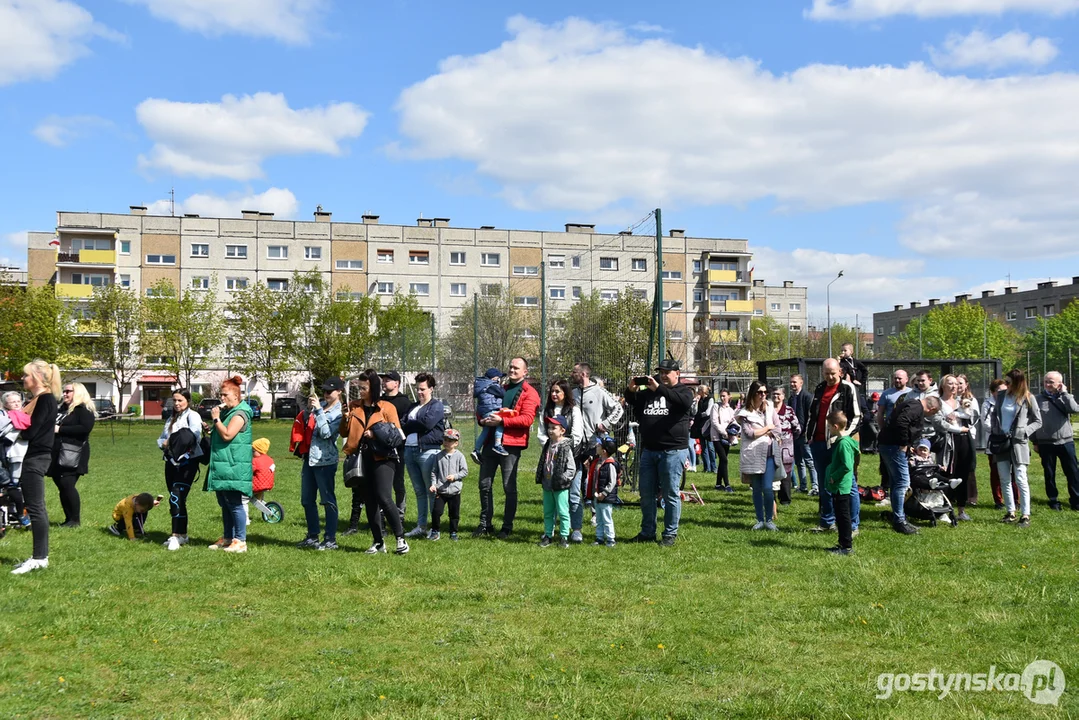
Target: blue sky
925,147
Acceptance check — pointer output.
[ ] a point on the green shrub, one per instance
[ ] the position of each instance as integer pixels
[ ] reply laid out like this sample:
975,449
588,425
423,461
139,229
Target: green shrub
135,410
196,398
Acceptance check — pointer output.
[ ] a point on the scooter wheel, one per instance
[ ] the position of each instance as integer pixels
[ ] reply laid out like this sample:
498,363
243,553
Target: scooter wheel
275,513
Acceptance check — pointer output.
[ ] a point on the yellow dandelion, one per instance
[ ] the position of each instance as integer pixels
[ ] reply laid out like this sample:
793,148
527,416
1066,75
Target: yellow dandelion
660,646
863,621
61,678
381,697
1024,567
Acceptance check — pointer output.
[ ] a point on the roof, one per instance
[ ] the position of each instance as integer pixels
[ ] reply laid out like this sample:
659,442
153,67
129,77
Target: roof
157,379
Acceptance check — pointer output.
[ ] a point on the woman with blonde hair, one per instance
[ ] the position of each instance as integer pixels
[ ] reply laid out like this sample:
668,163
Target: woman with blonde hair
757,460
970,413
71,448
1016,417
42,380
957,452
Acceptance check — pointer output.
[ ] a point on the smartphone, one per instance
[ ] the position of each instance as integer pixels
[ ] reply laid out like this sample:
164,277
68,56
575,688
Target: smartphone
641,380
160,498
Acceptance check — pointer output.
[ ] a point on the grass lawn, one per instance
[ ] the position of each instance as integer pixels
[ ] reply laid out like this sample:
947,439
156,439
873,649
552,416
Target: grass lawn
727,623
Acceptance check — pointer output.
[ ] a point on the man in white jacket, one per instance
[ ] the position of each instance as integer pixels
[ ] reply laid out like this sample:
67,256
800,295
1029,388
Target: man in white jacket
600,413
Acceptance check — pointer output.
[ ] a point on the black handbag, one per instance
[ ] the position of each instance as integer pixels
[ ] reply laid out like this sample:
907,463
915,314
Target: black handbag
353,469
999,444
70,455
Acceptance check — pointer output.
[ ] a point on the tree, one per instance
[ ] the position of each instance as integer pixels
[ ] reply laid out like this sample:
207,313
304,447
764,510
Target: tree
403,339
815,344
339,333
504,331
116,323
261,336
961,330
610,335
187,325
770,340
1054,337
34,323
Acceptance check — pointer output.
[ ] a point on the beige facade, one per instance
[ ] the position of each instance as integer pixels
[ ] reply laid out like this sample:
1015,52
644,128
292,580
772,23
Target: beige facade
786,303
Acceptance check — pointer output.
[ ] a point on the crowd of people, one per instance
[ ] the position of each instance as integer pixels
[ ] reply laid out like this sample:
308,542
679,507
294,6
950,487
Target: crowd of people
927,436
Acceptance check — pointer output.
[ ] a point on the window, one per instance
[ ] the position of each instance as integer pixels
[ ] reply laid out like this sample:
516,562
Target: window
526,334
454,324
125,281
1011,315
491,290
795,306
640,293
153,327
637,264
576,263
236,251
349,264
558,293
880,330
280,387
277,252
775,307
1032,312
758,311
91,244
698,296
419,257
200,282
526,270
490,259
670,304
1049,310
526,301
576,292
235,283
347,296
151,292
556,261
608,263
698,324
458,289
717,296
697,267
156,360
676,335
312,252
796,328
384,256
160,259
277,284
94,280
200,250
892,331
125,247
608,295
722,265
457,258
671,274
384,288
419,288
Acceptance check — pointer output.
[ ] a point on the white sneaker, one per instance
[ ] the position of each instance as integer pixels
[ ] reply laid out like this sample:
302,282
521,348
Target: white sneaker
418,531
771,526
173,543
31,564
758,526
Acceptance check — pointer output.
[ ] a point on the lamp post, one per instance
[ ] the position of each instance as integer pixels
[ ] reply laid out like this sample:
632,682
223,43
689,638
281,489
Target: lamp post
828,296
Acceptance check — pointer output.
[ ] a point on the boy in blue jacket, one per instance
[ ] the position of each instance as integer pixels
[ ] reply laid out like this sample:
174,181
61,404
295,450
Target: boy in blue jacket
488,393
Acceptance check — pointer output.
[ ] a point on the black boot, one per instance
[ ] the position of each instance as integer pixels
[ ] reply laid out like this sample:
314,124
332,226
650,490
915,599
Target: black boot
353,524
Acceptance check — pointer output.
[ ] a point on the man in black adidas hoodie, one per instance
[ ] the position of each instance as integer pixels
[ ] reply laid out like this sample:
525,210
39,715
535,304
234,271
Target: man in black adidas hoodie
663,410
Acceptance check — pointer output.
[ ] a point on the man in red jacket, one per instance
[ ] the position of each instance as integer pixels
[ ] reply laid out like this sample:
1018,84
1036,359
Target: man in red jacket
524,400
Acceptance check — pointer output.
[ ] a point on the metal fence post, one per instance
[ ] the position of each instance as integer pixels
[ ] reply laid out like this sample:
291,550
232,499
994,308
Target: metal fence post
660,334
543,324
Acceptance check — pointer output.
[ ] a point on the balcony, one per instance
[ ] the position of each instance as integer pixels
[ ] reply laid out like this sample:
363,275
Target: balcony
71,290
718,307
87,257
724,277
723,336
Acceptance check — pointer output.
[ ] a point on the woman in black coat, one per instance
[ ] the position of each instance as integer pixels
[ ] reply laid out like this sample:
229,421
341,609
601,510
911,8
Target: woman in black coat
74,423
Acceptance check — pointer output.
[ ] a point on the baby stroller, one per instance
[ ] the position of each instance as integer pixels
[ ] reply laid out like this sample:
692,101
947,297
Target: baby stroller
9,515
926,499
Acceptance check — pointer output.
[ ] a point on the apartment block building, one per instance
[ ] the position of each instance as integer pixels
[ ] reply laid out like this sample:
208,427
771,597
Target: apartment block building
786,303
705,280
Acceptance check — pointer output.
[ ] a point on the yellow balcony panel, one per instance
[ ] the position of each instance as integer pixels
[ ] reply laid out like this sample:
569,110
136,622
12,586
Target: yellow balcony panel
740,306
722,276
723,336
71,290
98,257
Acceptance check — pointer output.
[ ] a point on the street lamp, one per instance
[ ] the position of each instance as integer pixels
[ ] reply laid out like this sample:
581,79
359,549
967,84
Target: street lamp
828,296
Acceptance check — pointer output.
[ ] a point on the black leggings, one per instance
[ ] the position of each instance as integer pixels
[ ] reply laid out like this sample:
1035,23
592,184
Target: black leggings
33,491
178,481
69,496
721,463
441,502
379,500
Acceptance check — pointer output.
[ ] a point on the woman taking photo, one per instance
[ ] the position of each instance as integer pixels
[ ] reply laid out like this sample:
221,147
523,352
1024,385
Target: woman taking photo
758,463
42,380
378,470
1016,417
787,428
957,453
722,415
179,441
318,474
71,449
229,473
423,426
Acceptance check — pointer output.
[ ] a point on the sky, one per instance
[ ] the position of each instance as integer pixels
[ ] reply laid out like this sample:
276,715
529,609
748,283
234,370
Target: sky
926,148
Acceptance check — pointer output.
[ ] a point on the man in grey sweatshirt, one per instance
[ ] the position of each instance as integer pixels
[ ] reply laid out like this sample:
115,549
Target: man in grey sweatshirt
600,413
1053,440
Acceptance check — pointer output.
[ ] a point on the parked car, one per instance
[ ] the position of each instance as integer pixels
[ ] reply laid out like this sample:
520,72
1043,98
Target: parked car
256,409
286,408
204,407
105,407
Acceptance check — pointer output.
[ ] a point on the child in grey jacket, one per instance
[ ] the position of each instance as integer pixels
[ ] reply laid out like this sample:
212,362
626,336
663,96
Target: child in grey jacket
557,469
447,473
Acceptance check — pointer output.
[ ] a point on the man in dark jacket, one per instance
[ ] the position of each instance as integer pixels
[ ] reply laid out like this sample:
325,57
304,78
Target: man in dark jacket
800,400
903,428
1054,438
833,393
663,410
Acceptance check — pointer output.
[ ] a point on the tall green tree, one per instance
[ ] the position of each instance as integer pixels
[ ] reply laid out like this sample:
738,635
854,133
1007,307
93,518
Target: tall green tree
610,335
338,332
961,330
815,344
403,338
504,331
262,326
117,319
187,326
34,323
1050,340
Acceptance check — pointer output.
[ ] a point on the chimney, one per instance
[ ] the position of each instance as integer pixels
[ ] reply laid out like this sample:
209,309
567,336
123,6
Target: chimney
625,232
265,216
580,228
321,215
487,227
370,219
138,209
933,301
962,298
898,307
678,233
915,304
987,293
442,222
1044,285
1010,290
788,283
758,283
425,222
249,214
190,215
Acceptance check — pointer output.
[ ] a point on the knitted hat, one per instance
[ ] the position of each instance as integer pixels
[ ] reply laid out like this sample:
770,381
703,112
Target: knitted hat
262,445
924,442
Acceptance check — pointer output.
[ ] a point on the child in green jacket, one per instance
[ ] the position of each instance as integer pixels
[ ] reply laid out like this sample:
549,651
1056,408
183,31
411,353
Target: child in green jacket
840,479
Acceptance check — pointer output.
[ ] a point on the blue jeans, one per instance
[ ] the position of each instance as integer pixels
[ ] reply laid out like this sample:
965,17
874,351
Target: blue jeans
708,455
691,449
318,482
576,507
419,463
803,464
233,516
661,471
822,457
763,495
899,475
485,431
604,521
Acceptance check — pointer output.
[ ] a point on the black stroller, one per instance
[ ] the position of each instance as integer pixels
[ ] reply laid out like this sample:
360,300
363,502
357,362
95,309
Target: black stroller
926,499
9,514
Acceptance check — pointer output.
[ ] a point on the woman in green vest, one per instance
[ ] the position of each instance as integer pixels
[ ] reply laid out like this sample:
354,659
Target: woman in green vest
229,473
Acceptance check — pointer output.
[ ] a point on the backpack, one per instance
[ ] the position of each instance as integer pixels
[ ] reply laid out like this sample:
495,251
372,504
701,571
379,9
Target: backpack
204,444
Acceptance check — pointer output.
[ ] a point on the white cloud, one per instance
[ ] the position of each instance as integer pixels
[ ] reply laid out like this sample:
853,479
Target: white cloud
585,117
876,9
13,249
979,50
231,138
280,201
290,21
61,131
39,37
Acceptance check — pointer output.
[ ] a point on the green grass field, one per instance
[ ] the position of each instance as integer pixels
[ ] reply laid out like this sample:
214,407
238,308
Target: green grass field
727,623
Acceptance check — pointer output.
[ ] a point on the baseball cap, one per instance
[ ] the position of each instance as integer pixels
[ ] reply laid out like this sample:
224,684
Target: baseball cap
451,434
333,383
391,375
559,420
875,396
669,364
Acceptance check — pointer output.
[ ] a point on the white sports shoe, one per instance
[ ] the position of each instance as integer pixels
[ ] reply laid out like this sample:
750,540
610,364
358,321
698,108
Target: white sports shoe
770,526
31,564
758,526
173,543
